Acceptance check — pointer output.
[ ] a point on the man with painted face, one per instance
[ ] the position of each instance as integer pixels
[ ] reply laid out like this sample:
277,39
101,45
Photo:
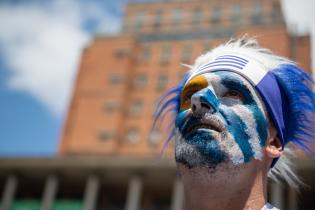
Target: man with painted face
236,110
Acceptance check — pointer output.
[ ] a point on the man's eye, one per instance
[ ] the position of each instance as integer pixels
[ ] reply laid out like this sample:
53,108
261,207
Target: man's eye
234,94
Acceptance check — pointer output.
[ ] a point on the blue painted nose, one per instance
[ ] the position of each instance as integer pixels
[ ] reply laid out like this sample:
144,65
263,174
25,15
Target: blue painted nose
204,101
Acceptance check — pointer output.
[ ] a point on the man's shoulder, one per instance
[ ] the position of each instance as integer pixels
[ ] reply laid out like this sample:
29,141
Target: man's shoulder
268,206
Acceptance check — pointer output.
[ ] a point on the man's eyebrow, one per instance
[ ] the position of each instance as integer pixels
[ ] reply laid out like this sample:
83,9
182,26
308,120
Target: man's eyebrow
234,82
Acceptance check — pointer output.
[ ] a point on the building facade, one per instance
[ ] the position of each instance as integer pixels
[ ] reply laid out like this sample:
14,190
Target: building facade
121,78
109,155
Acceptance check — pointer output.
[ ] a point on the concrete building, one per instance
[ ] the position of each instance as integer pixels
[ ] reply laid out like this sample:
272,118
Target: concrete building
109,156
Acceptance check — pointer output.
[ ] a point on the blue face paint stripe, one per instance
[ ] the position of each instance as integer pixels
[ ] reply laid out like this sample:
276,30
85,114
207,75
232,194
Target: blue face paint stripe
261,122
181,120
207,97
241,138
206,145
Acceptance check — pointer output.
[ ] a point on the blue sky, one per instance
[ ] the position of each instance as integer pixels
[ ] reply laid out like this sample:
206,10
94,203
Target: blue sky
40,48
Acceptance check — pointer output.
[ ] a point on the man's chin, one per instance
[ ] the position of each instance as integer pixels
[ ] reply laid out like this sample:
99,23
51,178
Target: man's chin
190,157
198,152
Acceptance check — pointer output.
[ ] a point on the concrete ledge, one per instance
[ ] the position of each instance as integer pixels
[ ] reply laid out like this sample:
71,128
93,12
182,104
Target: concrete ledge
88,162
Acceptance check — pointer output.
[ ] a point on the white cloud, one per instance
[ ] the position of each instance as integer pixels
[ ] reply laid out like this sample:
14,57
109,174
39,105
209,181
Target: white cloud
42,47
300,17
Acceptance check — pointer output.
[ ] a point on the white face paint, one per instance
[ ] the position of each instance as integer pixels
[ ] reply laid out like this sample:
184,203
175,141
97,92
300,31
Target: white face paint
221,119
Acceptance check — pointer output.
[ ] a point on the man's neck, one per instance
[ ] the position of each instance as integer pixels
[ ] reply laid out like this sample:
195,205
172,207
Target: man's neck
226,187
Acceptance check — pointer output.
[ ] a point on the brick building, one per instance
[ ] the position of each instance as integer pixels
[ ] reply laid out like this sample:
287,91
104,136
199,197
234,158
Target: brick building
109,156
121,78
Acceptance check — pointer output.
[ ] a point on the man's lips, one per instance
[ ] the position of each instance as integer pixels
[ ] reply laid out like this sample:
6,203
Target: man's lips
202,125
207,122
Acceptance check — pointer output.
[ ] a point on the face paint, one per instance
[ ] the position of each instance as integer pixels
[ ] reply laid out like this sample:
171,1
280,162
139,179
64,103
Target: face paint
221,119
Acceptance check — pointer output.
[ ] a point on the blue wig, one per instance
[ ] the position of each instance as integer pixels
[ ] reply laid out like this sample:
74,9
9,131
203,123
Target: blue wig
169,104
285,89
296,85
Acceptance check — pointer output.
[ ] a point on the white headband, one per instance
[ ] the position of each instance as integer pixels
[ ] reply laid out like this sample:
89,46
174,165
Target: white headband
249,68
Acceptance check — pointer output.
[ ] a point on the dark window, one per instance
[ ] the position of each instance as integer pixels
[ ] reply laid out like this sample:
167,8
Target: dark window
154,137
116,79
136,107
176,18
120,53
111,106
139,19
197,16
133,135
236,14
216,15
162,82
140,81
165,54
145,54
105,135
256,17
158,20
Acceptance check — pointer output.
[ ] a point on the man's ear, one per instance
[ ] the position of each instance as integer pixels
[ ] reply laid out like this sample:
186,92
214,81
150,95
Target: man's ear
274,148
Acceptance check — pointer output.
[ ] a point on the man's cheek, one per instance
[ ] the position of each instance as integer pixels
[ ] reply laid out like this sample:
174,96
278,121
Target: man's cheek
262,124
181,118
248,126
237,128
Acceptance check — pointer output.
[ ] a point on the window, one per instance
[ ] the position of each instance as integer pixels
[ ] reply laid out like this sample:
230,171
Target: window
140,81
116,79
133,135
165,56
139,19
197,16
186,53
236,14
216,15
111,106
162,82
154,137
176,18
120,53
105,135
136,107
256,17
145,54
158,20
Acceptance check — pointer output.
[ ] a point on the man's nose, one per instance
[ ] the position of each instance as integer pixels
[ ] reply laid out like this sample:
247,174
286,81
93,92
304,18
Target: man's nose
204,101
